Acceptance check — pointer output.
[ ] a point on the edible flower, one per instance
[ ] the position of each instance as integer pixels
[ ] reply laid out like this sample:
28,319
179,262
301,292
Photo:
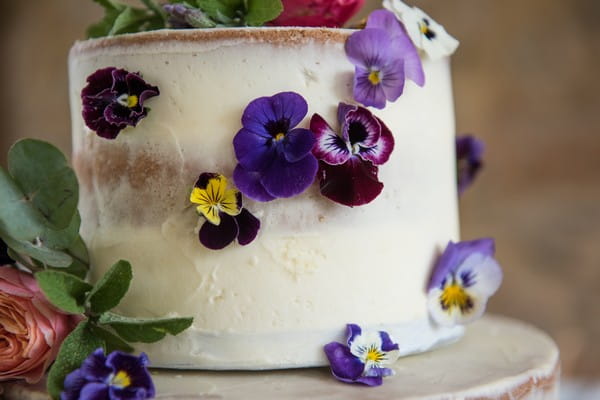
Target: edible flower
365,358
117,376
328,13
274,157
348,162
463,279
114,99
469,159
425,33
226,219
384,57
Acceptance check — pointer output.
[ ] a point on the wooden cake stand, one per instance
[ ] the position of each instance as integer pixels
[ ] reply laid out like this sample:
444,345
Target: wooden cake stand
498,358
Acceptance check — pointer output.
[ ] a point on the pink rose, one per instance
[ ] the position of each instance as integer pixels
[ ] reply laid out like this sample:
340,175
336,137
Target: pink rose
31,329
330,13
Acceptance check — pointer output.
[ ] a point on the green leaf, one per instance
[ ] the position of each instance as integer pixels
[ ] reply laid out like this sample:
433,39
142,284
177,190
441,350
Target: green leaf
129,20
262,11
109,291
64,238
144,330
50,257
74,350
222,10
157,9
43,174
112,342
64,291
78,250
111,12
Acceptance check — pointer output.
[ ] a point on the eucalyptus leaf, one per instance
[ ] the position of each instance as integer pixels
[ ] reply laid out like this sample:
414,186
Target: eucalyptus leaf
80,343
49,257
112,342
65,291
43,174
62,239
144,330
109,290
77,268
262,11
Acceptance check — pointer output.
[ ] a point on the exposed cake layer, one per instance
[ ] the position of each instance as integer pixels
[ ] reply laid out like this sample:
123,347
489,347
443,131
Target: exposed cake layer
315,265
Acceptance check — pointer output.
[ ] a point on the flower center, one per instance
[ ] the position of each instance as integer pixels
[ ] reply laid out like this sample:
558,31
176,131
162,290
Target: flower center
120,380
375,77
424,29
454,295
128,101
374,355
279,136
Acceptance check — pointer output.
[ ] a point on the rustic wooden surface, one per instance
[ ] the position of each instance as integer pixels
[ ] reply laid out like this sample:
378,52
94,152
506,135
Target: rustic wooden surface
526,81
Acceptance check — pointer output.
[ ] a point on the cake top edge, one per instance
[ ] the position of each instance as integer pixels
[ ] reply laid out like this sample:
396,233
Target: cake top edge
279,35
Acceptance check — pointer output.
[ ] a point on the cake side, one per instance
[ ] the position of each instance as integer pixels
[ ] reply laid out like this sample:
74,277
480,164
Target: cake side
315,265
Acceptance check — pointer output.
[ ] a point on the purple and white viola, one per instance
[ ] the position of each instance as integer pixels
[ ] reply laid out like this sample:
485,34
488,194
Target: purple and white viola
463,279
349,161
364,359
384,57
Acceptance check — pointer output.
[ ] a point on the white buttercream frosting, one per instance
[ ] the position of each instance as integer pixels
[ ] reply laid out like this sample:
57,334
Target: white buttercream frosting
315,265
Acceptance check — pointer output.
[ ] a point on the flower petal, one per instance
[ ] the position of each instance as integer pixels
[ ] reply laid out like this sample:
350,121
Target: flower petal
297,144
329,147
73,384
380,153
231,203
469,158
205,207
369,48
353,331
480,274
365,92
361,127
288,107
100,80
94,367
217,237
254,150
248,226
393,79
248,182
285,179
344,366
137,86
454,315
343,110
387,344
352,184
135,367
94,391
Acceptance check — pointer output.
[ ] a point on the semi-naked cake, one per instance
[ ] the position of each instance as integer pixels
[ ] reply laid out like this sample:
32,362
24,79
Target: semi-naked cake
315,265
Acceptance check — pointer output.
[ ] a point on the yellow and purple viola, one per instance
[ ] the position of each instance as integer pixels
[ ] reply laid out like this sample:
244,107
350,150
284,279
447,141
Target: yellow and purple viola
364,359
384,57
114,99
226,219
274,156
469,160
114,377
465,276
348,162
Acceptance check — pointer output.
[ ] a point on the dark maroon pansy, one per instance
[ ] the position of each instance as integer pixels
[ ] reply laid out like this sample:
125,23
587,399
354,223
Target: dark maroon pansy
114,99
469,160
348,163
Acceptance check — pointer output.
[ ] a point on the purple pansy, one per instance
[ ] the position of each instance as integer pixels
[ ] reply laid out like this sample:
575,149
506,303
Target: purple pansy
383,56
118,376
226,219
365,357
348,162
114,99
469,160
274,157
463,279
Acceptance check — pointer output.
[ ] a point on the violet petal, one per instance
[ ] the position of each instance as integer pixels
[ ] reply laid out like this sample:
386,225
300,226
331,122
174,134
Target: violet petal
365,92
217,237
361,127
344,365
393,79
287,107
386,342
329,147
352,184
248,226
94,366
368,48
284,179
254,150
248,182
343,110
352,331
98,81
73,384
94,391
380,153
469,157
297,144
135,367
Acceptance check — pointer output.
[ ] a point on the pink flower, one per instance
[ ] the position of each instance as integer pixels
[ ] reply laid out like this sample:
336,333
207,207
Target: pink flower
31,330
330,13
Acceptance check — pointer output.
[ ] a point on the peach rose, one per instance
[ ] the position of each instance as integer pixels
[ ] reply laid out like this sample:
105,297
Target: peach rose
31,329
329,13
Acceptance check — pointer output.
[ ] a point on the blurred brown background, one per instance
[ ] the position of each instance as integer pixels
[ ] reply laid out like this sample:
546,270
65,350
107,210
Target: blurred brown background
526,81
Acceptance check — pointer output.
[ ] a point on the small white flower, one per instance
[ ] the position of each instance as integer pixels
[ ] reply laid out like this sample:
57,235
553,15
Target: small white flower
425,33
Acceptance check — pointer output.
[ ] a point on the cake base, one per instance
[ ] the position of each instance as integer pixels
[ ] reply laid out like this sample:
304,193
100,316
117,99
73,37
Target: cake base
498,359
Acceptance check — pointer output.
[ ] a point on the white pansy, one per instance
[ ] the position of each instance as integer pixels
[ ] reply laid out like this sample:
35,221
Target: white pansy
425,33
367,347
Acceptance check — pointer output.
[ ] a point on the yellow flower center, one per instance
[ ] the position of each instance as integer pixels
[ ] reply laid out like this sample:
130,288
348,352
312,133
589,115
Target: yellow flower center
423,28
132,101
454,295
121,380
375,78
374,355
279,136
